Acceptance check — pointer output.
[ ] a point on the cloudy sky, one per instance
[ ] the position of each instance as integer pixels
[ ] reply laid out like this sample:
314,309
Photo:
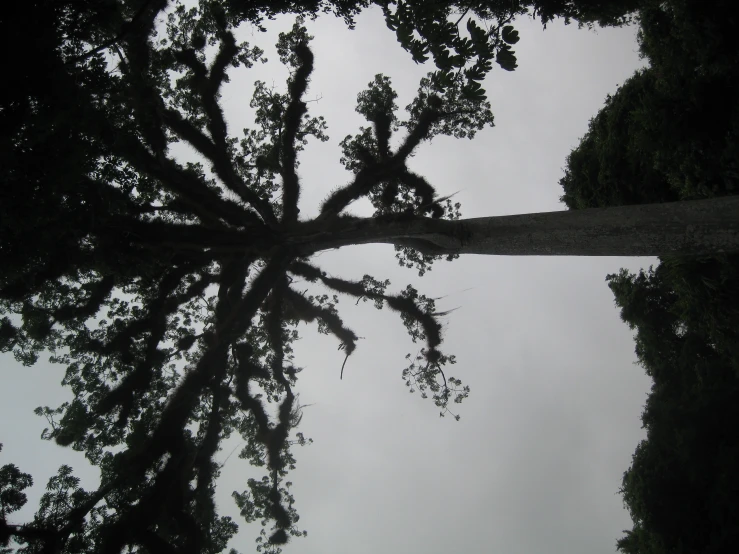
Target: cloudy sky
535,463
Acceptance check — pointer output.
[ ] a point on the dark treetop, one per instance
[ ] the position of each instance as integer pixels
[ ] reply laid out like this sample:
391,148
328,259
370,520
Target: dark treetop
166,287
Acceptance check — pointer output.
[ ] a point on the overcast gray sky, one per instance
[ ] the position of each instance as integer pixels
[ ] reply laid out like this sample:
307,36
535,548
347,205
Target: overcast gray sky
535,463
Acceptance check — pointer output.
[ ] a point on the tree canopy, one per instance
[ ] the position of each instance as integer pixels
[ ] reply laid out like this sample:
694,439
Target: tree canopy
166,288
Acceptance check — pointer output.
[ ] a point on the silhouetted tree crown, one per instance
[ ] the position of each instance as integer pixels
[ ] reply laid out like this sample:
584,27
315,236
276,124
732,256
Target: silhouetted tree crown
166,288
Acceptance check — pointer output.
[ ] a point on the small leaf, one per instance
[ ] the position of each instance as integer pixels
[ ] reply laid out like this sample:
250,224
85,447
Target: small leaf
506,58
510,35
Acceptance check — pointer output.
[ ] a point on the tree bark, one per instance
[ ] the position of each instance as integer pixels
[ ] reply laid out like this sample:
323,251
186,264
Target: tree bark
707,227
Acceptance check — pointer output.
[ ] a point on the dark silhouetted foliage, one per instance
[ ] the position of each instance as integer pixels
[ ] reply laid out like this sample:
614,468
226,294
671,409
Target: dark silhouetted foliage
614,164
167,288
670,133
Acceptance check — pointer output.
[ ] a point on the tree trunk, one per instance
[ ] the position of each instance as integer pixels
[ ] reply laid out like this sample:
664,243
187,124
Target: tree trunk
689,227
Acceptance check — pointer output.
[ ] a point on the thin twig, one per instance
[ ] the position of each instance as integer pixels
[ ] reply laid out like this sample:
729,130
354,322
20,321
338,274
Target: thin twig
461,17
342,367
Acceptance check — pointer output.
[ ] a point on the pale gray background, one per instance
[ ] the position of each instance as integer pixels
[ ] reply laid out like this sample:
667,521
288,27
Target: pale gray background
535,463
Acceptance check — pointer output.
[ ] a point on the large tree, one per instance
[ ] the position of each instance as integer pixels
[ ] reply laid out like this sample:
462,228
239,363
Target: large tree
167,288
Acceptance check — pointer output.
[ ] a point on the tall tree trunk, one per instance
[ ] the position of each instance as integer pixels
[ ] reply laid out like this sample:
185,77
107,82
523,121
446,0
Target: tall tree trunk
708,226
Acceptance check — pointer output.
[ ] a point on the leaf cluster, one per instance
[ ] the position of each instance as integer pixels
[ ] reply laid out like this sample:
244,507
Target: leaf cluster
165,288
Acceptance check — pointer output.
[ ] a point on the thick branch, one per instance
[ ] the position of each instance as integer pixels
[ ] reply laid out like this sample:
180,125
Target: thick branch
76,515
204,202
423,190
293,117
50,537
274,322
308,311
144,96
256,238
218,156
389,167
421,130
406,306
367,178
216,148
204,461
689,227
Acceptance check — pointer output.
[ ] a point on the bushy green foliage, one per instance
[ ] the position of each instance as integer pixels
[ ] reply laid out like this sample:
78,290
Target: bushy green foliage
681,486
671,132
614,164
586,12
